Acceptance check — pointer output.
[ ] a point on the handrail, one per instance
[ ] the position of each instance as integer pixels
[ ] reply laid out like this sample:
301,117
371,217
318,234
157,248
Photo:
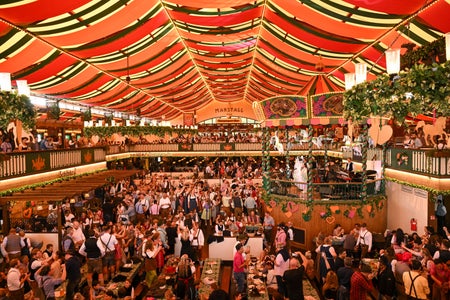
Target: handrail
325,190
421,161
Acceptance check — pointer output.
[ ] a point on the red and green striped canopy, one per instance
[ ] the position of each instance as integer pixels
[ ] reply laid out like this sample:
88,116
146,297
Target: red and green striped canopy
183,55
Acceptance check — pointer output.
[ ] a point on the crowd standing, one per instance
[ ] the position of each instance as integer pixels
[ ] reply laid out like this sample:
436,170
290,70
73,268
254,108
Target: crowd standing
128,220
142,218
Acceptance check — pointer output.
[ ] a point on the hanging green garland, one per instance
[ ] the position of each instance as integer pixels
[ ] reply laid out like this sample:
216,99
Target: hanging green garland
137,131
421,89
16,107
418,186
364,135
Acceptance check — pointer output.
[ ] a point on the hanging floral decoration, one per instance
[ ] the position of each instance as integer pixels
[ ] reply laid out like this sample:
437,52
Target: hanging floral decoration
16,107
418,186
289,206
420,89
136,131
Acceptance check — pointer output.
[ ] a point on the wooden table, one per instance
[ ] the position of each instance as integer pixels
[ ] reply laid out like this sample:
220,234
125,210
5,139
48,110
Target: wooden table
114,286
166,280
210,277
256,285
309,291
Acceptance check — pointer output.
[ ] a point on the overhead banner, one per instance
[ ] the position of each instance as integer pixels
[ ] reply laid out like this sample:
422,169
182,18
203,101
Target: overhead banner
327,105
188,119
285,107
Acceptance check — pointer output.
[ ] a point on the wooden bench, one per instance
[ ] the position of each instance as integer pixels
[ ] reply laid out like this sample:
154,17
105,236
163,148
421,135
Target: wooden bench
225,281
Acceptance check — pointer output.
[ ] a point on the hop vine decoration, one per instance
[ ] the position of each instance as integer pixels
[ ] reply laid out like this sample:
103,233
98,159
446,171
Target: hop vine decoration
87,115
53,111
307,215
160,131
16,107
420,89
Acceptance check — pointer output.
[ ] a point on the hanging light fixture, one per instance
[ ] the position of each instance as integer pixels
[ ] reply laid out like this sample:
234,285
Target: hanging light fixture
349,80
5,82
23,88
447,45
393,61
128,78
360,73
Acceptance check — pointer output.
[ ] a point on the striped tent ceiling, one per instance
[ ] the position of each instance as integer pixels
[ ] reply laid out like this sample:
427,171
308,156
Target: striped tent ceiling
183,55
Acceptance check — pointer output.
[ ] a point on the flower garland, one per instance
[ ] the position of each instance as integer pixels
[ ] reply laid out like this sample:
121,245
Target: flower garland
372,205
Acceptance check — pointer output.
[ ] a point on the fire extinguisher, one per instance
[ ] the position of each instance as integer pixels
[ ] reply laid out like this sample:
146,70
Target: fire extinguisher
413,224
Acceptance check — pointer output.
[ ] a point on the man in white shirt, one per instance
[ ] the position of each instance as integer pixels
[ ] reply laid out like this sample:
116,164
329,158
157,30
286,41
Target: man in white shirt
78,235
197,240
164,205
364,240
250,203
226,205
15,280
109,243
141,206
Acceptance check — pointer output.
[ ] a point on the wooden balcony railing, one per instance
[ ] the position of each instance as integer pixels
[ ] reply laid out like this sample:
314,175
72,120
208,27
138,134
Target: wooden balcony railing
26,163
425,162
325,191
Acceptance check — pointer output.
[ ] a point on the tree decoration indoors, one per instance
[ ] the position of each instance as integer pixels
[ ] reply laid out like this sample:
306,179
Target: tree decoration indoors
16,107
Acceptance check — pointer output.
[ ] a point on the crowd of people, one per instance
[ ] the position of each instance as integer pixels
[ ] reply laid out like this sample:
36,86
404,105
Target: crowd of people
134,218
405,266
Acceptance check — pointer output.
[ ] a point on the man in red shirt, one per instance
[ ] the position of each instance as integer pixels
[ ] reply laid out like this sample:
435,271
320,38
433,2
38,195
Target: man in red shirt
361,282
238,268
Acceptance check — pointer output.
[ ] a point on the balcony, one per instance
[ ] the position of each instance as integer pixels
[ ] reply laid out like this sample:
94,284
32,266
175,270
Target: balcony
427,162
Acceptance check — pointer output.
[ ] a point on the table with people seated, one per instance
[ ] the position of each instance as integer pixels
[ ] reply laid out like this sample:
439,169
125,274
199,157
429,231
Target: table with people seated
209,278
257,288
166,280
126,272
256,284
309,291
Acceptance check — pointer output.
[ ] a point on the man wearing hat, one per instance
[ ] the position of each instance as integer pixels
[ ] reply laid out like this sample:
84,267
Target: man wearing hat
361,282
